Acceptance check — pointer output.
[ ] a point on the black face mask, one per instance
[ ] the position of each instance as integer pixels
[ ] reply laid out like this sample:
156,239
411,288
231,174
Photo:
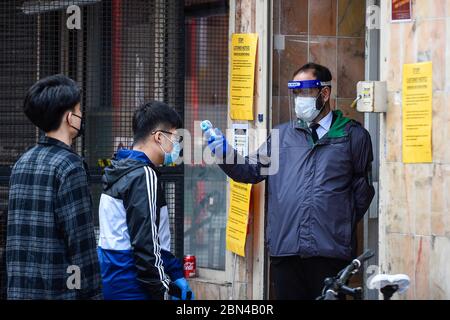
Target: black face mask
82,126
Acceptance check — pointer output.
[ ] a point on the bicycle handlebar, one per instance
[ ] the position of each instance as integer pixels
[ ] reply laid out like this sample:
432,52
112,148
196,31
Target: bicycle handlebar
365,256
338,284
356,264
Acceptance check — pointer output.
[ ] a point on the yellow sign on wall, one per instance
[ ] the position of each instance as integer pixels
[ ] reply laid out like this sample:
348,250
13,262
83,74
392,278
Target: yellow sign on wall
238,217
243,56
417,112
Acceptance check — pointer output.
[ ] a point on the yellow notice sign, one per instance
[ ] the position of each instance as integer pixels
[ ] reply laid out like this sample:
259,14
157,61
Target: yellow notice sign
417,112
238,217
243,55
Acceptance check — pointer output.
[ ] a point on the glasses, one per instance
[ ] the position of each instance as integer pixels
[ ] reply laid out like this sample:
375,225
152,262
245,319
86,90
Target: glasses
176,138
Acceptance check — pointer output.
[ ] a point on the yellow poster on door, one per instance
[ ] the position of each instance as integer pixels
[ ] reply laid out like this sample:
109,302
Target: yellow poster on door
236,232
417,112
242,79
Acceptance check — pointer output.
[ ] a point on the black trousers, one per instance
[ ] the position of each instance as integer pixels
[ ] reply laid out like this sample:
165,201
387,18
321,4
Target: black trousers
296,278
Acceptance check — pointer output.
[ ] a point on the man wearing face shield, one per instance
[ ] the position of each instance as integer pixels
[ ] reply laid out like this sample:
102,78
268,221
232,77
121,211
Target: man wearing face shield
320,191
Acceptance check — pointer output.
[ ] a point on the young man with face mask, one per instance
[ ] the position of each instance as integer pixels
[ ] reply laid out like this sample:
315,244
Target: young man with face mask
134,244
320,191
51,249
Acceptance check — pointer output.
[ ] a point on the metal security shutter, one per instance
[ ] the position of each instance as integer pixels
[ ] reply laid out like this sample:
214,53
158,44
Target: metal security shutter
123,54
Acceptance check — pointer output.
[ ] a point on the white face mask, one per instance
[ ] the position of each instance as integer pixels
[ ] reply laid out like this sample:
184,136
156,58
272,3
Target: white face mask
305,108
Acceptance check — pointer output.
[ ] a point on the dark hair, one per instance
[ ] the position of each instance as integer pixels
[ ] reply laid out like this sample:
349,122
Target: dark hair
320,72
48,99
154,115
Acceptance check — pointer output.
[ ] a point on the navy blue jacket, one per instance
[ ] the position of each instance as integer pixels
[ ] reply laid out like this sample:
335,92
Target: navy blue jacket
320,191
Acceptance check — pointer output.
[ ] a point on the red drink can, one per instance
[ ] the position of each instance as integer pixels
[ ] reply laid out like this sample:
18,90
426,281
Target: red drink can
189,266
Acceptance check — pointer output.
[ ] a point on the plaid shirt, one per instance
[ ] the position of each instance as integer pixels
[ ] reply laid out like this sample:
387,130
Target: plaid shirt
50,227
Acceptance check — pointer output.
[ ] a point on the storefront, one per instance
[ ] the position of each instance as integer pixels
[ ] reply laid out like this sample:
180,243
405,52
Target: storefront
123,53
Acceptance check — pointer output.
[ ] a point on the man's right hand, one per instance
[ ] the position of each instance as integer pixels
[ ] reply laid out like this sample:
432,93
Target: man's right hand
217,142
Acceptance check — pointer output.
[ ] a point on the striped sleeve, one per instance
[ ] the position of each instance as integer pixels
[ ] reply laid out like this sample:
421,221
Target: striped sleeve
140,205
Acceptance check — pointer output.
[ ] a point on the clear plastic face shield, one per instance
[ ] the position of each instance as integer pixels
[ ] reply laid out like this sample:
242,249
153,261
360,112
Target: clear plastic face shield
304,100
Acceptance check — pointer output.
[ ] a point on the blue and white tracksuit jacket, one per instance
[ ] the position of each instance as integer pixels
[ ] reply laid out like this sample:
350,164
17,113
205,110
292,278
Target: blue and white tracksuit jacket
134,243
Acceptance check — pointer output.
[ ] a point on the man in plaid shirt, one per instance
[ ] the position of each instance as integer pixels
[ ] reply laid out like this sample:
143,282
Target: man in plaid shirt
51,247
